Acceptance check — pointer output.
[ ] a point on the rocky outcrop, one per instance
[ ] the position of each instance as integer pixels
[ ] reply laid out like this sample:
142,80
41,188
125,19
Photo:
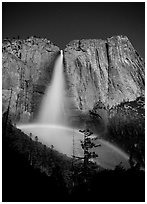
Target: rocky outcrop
106,71
27,68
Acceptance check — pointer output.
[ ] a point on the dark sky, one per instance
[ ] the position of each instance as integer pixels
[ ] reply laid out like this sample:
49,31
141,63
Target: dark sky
62,22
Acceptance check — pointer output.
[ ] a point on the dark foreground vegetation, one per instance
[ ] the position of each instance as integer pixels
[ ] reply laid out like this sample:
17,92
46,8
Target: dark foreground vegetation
33,172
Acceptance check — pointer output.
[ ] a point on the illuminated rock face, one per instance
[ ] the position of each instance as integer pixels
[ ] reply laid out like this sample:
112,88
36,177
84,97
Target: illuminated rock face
100,74
106,71
27,69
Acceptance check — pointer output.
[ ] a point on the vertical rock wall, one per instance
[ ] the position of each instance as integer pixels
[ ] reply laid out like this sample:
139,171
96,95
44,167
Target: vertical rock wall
100,75
107,71
27,69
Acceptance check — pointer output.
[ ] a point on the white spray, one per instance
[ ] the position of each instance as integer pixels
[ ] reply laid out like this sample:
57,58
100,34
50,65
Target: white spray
52,108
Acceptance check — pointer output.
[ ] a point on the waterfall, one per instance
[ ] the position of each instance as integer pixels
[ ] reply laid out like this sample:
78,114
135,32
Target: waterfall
52,107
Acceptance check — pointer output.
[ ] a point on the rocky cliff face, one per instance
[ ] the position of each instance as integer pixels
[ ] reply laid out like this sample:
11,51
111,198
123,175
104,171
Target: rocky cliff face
100,74
106,71
27,68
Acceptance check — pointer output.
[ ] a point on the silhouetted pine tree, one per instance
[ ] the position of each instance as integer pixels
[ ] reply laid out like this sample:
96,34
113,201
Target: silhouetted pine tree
86,145
85,171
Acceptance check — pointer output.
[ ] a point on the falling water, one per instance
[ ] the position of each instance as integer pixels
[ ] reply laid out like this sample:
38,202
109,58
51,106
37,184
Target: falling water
52,108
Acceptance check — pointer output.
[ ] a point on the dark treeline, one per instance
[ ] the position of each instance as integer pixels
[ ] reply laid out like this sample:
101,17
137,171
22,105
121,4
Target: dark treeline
34,172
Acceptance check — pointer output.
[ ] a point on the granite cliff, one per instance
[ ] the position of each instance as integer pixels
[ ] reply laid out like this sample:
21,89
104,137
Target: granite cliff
27,68
106,71
104,81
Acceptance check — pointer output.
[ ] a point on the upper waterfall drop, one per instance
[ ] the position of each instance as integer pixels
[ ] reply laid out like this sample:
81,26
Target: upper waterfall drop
52,107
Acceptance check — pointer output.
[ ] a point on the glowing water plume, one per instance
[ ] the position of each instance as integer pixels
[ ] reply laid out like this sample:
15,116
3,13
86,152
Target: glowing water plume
52,107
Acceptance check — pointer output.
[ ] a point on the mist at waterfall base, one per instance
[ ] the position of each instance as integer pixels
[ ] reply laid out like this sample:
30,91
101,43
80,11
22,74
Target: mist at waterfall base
52,126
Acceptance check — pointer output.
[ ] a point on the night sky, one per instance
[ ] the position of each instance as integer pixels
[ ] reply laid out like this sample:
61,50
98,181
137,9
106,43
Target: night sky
64,21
